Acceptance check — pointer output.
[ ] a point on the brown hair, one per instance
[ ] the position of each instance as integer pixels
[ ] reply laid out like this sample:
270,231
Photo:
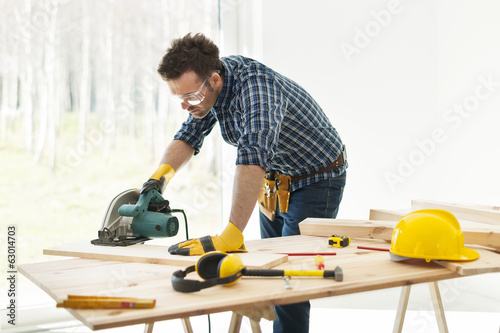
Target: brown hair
190,53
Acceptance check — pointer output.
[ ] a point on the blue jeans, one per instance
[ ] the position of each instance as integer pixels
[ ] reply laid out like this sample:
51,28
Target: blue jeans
321,199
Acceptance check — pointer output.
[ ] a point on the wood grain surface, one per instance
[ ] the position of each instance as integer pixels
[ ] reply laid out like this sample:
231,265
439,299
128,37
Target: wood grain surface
105,278
476,213
151,254
363,270
484,235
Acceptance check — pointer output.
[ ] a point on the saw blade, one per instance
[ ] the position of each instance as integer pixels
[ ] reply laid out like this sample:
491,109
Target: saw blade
112,219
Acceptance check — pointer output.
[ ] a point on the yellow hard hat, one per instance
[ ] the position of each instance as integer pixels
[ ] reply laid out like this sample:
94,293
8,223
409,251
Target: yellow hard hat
430,234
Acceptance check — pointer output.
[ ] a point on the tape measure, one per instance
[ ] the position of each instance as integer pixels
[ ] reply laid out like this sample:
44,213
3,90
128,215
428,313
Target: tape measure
339,241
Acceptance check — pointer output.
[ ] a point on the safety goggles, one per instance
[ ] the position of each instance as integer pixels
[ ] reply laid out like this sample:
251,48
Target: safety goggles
196,97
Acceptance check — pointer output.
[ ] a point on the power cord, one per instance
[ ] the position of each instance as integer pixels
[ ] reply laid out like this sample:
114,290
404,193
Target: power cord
185,220
187,237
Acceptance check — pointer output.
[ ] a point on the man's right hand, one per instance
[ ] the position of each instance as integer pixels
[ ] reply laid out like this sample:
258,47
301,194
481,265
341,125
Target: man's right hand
159,179
153,184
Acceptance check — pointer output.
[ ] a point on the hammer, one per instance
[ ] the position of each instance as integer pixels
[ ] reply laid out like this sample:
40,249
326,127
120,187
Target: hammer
336,274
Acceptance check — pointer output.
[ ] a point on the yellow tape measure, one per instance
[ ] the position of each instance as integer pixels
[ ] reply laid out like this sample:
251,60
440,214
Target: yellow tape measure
339,241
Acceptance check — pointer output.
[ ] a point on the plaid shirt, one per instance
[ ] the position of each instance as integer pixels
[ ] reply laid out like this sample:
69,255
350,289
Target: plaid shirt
272,121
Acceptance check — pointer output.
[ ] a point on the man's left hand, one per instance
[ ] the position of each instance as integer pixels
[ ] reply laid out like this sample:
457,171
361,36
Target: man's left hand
230,240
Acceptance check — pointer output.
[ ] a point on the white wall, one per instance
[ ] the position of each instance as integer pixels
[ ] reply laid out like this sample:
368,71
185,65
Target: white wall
403,83
389,74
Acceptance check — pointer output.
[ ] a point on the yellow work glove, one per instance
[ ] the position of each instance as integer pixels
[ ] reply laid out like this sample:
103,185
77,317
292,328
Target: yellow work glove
230,240
159,179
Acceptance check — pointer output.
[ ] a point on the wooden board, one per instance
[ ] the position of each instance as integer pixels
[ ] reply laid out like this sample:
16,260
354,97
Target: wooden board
352,228
152,254
93,277
387,215
469,212
290,244
372,270
488,236
476,213
488,263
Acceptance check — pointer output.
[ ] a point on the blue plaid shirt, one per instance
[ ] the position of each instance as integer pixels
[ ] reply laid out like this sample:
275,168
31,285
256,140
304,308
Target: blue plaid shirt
272,121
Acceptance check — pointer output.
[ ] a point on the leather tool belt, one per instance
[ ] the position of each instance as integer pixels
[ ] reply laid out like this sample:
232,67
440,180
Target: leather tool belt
276,188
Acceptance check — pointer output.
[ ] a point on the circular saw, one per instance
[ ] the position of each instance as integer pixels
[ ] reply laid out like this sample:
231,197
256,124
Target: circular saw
133,218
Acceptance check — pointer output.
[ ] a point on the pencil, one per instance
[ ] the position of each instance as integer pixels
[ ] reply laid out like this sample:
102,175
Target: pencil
372,248
311,254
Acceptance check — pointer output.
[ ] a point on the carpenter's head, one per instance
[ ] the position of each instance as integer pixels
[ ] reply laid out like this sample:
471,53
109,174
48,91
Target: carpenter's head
192,69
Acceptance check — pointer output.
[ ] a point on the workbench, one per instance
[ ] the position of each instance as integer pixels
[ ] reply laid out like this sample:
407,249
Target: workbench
363,270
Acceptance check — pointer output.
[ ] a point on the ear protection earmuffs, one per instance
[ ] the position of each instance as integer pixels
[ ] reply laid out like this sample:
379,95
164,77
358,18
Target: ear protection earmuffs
214,267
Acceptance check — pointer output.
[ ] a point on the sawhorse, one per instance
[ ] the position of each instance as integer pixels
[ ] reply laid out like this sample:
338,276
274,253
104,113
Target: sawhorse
256,314
436,303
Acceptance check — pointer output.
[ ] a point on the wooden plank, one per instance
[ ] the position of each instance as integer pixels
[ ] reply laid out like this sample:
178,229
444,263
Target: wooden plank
483,207
474,213
314,244
153,254
114,277
487,264
387,215
290,244
352,228
370,271
304,243
488,236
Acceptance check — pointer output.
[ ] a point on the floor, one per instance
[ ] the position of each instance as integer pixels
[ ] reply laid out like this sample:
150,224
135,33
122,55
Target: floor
472,304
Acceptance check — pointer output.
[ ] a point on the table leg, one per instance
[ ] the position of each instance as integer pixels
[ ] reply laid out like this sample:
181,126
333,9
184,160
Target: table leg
149,327
255,314
438,307
401,311
255,326
235,325
186,324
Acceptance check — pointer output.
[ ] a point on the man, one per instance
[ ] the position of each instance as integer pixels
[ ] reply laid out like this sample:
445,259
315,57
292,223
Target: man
289,155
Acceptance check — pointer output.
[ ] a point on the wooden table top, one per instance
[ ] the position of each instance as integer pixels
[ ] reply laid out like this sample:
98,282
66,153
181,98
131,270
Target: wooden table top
363,271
